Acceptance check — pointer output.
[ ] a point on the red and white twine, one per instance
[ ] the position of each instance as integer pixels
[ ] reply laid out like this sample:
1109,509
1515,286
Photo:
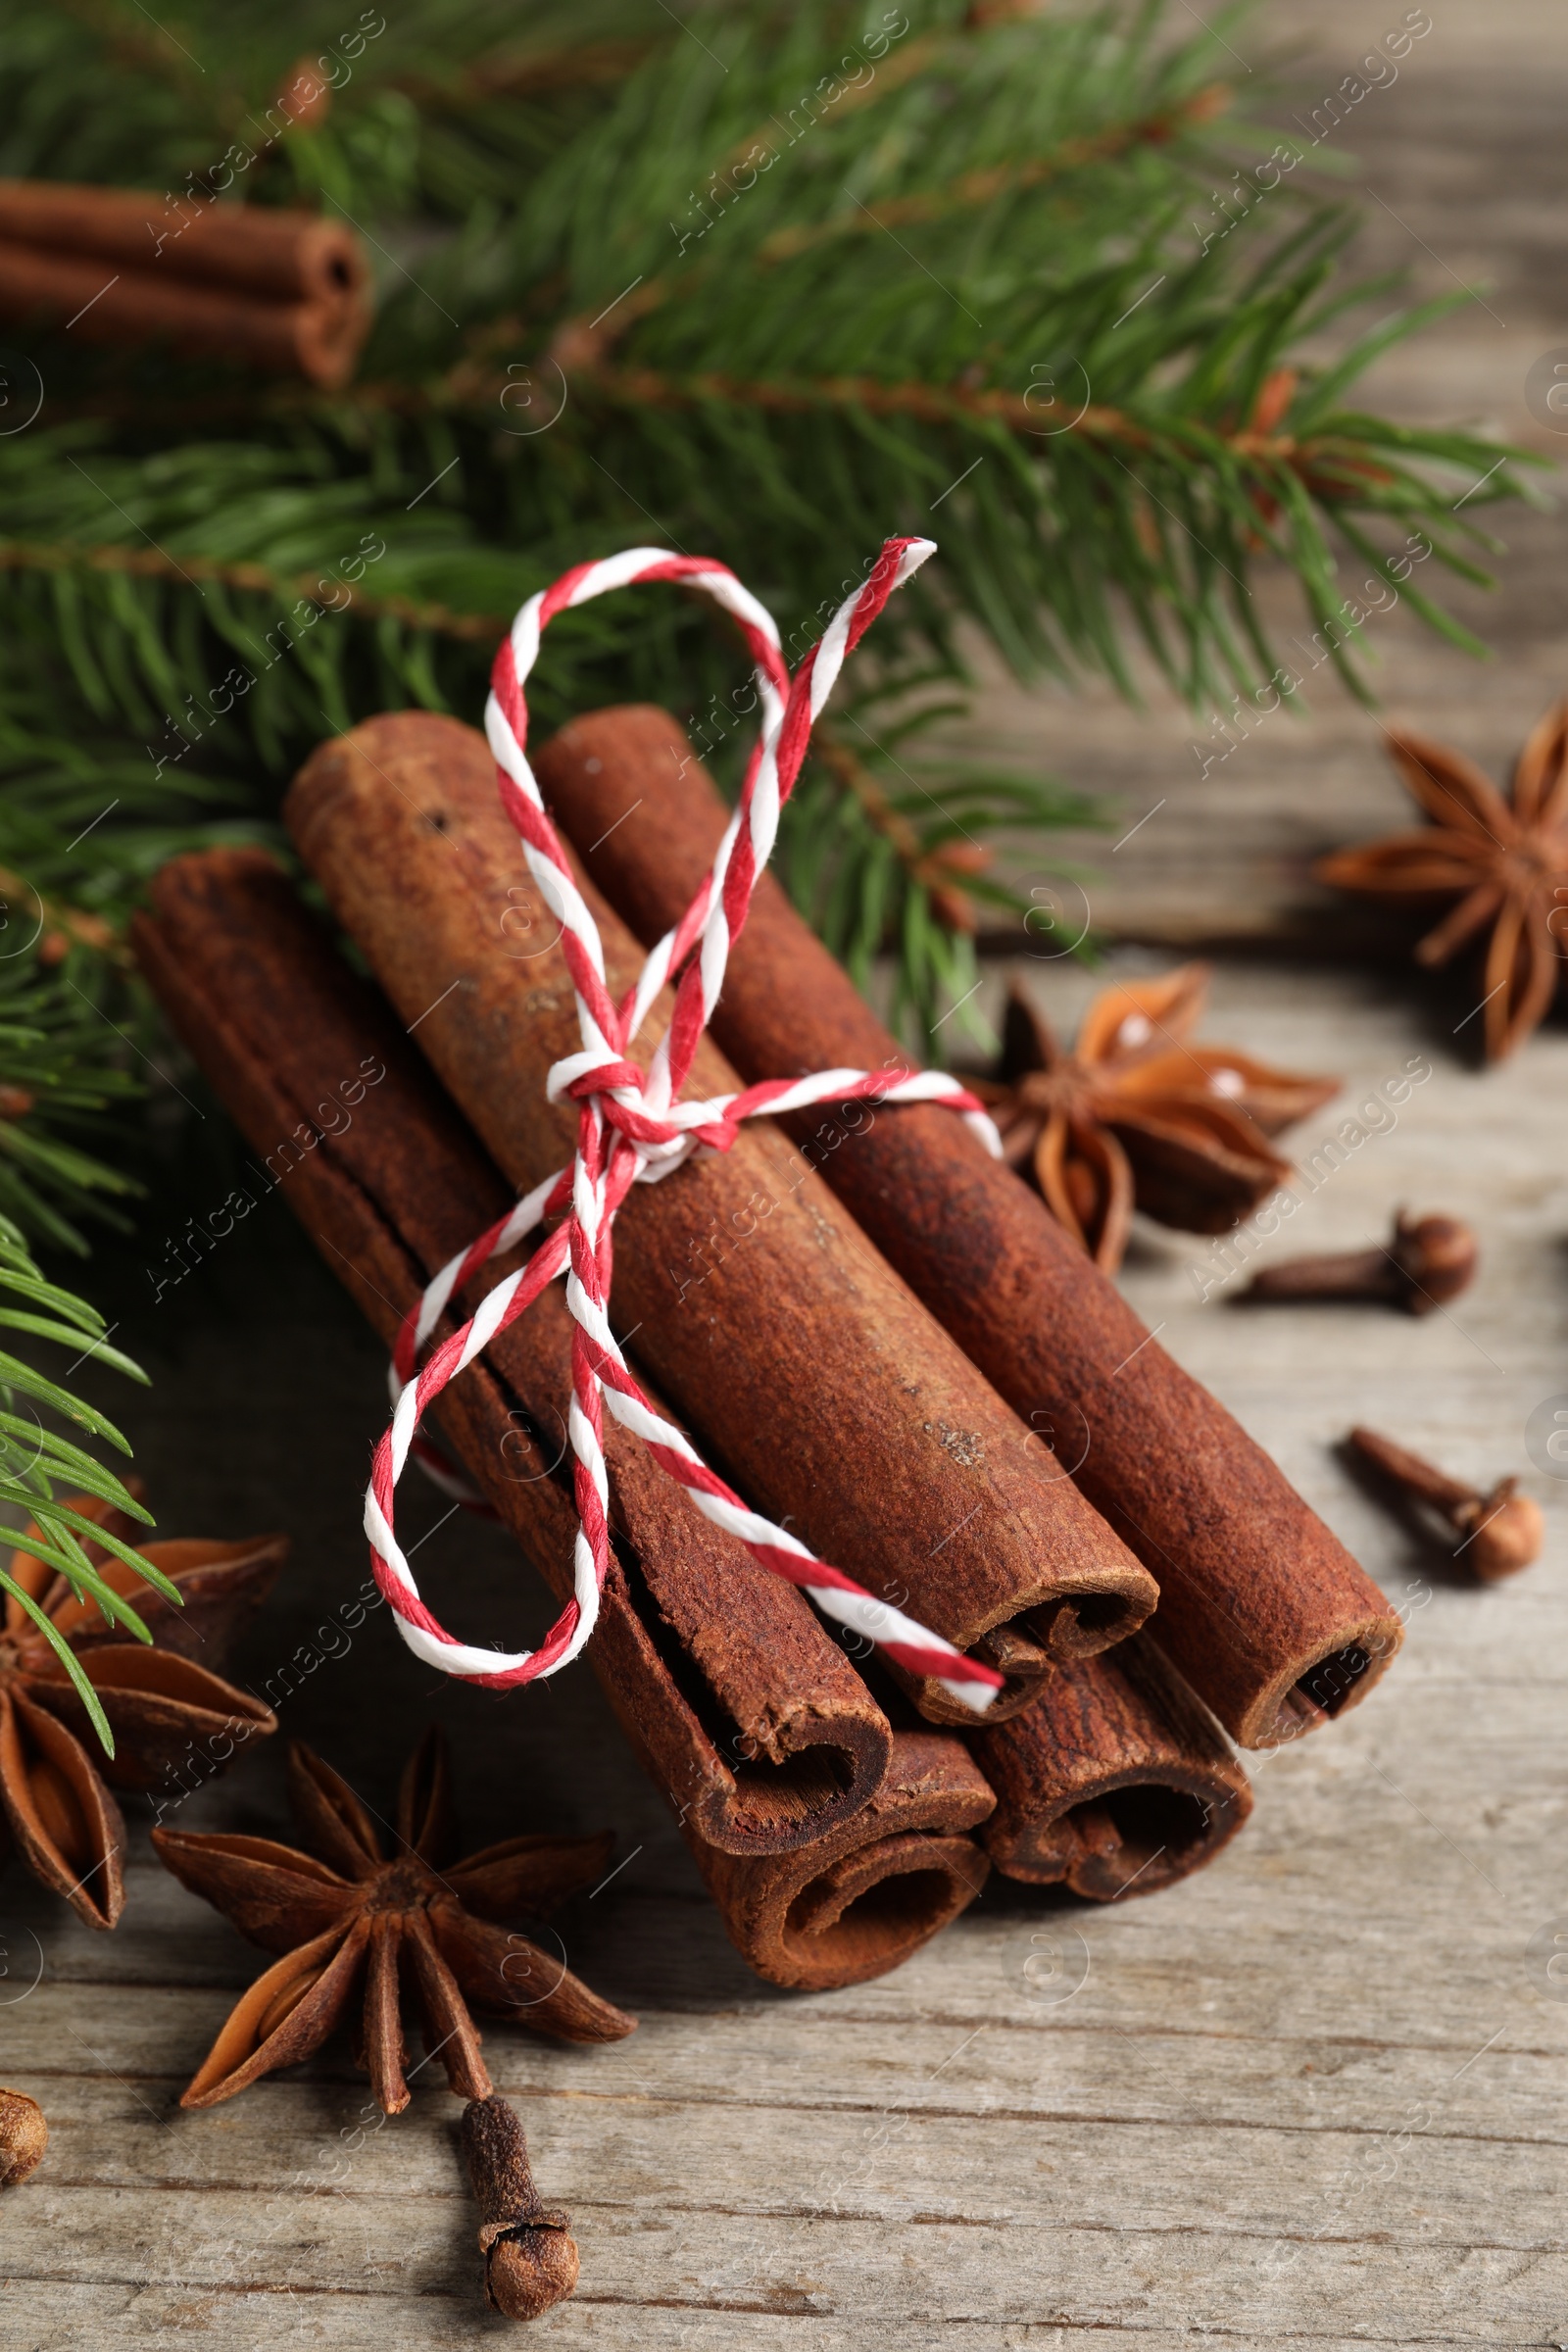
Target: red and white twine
634,1128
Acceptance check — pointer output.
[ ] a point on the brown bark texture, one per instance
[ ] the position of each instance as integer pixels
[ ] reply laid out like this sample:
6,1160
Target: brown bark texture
1262,1608
823,1388
746,1713
872,1891
1114,1782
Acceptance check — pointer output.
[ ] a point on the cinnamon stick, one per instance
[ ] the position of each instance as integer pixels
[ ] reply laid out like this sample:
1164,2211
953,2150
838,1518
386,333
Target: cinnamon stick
1262,1608
826,1868
283,290
290,256
746,1713
778,1334
871,1892
1114,1782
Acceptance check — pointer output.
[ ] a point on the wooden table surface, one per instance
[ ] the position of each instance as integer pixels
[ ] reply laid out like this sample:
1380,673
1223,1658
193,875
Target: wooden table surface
1315,2095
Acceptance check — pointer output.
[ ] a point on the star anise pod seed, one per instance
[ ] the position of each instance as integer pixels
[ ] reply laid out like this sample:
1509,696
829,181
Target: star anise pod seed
1136,1116
1505,863
159,1703
354,1924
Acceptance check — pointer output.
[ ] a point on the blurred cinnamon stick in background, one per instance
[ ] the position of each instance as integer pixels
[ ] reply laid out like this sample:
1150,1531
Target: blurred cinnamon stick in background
782,1338
1262,1608
280,290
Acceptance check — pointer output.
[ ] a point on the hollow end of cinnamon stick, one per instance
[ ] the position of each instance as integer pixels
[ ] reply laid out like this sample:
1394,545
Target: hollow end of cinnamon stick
1143,1831
696,1751
769,1807
328,339
704,1750
1027,1649
871,1892
1314,1688
790,1740
1117,1782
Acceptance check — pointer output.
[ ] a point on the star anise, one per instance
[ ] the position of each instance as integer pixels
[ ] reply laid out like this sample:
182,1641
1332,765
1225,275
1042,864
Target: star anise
159,1703
1503,862
349,1920
1135,1115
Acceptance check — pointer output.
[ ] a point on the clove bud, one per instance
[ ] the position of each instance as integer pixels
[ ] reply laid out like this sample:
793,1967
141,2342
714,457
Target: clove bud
1425,1262
530,2259
1502,1529
23,2137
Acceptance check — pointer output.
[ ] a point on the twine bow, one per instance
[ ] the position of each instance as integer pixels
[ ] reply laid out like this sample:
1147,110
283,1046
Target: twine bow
634,1128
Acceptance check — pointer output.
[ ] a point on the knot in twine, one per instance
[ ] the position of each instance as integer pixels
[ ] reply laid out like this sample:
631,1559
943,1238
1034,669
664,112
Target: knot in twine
634,1128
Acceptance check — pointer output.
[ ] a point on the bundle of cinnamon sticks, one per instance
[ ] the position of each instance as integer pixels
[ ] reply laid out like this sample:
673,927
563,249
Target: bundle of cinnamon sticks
279,290
911,1319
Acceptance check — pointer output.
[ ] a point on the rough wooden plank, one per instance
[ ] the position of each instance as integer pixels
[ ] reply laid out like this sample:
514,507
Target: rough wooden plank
1413,2180
972,2272
1492,2068
358,2322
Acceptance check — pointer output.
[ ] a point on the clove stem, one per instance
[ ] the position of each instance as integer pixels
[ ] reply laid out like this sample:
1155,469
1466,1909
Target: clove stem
1426,1263
1502,1529
530,2258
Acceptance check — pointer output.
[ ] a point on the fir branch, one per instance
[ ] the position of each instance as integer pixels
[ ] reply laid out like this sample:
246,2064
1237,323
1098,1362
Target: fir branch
886,846
941,871
58,925
1011,179
152,564
533,74
36,1465
62,1070
640,388
959,291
